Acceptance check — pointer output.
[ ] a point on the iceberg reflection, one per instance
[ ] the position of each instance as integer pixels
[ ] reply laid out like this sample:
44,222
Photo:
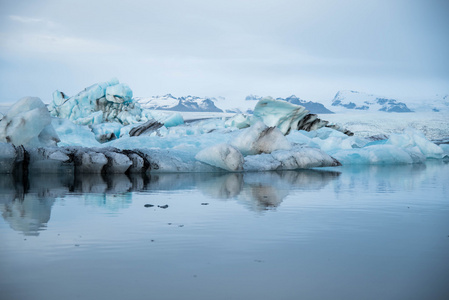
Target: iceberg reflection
24,211
26,203
268,190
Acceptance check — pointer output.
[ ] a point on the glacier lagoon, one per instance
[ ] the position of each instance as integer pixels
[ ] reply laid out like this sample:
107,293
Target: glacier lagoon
104,199
349,232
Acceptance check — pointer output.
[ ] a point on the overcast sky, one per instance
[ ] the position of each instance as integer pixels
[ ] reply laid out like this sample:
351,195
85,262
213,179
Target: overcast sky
227,48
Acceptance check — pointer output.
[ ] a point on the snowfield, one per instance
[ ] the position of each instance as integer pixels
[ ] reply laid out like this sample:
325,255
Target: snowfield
434,125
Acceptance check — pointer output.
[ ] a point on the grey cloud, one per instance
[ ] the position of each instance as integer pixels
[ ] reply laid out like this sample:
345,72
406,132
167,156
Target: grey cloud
226,47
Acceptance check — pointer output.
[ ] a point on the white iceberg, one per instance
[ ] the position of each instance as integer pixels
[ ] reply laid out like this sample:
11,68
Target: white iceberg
289,117
280,114
259,138
223,156
28,123
119,93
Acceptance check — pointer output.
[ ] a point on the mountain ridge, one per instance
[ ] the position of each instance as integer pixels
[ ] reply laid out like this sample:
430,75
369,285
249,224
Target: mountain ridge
343,101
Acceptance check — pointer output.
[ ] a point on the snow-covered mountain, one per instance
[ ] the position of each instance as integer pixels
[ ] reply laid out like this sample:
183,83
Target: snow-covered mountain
343,101
220,104
185,104
437,103
196,104
362,101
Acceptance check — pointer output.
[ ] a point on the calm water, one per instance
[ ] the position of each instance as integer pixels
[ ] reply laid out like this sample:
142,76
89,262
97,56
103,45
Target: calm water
342,233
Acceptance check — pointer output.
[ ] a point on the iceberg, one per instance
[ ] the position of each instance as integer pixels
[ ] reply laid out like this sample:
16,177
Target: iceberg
109,101
103,130
259,138
28,123
108,108
287,116
223,156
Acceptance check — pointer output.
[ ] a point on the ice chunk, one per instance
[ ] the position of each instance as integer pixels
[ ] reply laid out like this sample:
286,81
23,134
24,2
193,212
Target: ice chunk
407,147
297,158
222,156
261,162
90,162
50,160
281,114
165,161
102,102
71,134
260,139
239,121
28,123
172,119
416,143
287,116
106,132
119,93
8,156
146,128
71,160
375,155
105,103
138,163
304,158
117,162
331,140
59,98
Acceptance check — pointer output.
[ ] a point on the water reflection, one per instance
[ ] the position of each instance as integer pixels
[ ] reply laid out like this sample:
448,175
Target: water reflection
266,190
385,178
28,213
26,203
